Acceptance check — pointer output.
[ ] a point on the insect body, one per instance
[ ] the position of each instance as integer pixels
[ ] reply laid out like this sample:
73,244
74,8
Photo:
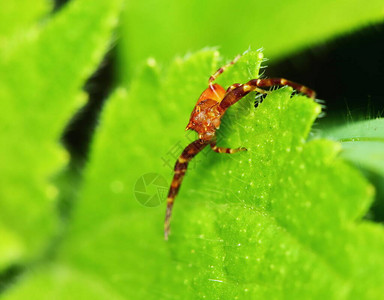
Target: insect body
205,120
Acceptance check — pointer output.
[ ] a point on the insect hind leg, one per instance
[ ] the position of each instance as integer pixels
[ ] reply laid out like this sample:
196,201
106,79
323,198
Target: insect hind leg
217,149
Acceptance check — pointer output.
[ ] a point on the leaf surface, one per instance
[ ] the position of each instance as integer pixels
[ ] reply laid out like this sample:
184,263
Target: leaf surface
281,221
40,87
363,143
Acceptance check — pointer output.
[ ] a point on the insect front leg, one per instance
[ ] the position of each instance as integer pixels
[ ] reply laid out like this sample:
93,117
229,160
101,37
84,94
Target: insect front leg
269,82
180,169
234,95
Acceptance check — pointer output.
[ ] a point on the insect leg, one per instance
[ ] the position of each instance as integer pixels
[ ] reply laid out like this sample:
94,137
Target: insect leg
180,169
282,82
222,69
232,87
225,150
256,84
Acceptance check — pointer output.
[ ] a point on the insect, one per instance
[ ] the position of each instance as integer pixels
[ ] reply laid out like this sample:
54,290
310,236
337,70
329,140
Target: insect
205,120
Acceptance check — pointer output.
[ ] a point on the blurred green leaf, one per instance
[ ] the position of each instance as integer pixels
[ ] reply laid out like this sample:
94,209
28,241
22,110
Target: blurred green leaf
363,143
40,81
16,17
363,146
164,29
280,221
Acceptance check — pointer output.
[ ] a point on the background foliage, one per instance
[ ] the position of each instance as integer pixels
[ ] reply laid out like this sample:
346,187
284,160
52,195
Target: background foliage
282,220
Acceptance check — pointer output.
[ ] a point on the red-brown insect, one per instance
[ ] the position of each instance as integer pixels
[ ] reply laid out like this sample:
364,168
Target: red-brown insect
205,120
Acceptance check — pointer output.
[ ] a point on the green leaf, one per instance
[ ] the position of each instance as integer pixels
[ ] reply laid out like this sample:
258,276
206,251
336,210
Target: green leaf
40,81
280,27
363,146
27,12
280,221
363,143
